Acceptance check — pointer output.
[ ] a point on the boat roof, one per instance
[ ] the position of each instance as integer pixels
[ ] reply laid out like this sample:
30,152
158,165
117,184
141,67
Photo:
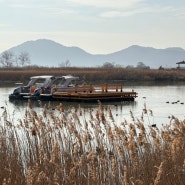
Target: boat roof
42,76
70,77
47,77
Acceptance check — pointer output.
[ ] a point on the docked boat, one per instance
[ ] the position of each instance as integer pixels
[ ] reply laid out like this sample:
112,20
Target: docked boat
34,86
41,87
61,84
66,88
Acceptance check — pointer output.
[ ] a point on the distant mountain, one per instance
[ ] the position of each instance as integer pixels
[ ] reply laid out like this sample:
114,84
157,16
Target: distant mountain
149,56
45,52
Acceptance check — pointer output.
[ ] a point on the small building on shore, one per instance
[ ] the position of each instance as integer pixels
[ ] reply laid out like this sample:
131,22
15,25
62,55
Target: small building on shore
181,63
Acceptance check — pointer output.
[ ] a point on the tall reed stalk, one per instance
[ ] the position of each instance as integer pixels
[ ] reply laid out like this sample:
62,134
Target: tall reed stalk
62,145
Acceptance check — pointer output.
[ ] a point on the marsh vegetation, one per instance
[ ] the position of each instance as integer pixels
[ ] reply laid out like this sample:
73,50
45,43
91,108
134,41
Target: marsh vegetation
60,145
98,75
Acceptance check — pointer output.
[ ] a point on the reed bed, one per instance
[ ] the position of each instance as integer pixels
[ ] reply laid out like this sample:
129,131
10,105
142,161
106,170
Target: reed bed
60,145
97,75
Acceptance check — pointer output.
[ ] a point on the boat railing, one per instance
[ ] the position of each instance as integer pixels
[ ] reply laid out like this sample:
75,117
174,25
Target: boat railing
109,87
96,88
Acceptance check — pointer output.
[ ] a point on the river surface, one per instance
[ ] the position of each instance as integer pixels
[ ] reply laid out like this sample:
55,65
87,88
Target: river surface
163,100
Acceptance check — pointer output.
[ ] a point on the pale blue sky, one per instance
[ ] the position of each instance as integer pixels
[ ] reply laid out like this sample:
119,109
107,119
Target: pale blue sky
97,26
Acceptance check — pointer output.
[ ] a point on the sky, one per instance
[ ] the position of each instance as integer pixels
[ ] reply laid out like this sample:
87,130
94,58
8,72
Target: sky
97,26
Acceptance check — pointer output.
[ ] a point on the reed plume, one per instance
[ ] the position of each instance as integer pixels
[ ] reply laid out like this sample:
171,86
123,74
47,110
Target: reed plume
62,145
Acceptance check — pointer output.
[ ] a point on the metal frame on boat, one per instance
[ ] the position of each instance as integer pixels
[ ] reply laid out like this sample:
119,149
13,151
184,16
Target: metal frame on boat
61,84
36,83
41,87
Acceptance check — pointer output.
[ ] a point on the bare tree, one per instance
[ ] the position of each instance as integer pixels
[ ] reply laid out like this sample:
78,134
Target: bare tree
141,65
7,59
24,59
65,64
108,65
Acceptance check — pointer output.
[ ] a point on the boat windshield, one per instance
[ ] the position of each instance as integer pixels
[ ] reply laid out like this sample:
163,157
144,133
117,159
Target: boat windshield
59,81
39,81
65,81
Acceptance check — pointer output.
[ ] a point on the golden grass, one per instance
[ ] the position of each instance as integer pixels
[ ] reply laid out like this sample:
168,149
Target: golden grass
62,146
97,75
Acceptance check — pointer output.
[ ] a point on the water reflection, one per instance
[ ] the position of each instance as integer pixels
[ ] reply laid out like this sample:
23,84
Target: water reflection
164,101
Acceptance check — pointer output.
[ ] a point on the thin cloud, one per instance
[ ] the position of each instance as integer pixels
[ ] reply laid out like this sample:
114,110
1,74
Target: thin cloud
107,3
137,10
112,14
180,13
115,14
19,5
29,3
61,11
54,7
4,26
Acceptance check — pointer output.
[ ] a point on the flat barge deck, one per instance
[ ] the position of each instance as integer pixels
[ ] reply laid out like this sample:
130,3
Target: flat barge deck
102,92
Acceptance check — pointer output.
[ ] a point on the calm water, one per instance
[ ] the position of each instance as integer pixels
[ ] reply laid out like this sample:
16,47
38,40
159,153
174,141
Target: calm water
154,97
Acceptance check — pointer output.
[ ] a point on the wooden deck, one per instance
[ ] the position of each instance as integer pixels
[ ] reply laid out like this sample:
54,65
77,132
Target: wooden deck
103,92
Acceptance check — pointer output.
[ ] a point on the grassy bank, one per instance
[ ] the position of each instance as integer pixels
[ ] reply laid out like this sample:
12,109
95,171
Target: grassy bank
96,74
60,146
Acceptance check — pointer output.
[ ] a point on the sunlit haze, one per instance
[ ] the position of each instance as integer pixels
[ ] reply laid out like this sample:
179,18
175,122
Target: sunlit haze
97,26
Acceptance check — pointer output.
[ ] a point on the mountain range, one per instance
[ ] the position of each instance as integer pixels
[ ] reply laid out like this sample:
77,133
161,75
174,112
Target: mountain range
45,52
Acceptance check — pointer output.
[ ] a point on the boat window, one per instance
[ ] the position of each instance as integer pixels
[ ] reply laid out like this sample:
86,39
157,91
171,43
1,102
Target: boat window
30,83
72,83
59,82
47,83
39,81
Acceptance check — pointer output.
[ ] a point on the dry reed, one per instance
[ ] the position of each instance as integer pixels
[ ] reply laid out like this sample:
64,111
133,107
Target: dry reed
91,75
62,146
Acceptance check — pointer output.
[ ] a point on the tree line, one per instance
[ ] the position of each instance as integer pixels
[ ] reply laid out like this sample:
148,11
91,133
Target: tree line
140,65
8,59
